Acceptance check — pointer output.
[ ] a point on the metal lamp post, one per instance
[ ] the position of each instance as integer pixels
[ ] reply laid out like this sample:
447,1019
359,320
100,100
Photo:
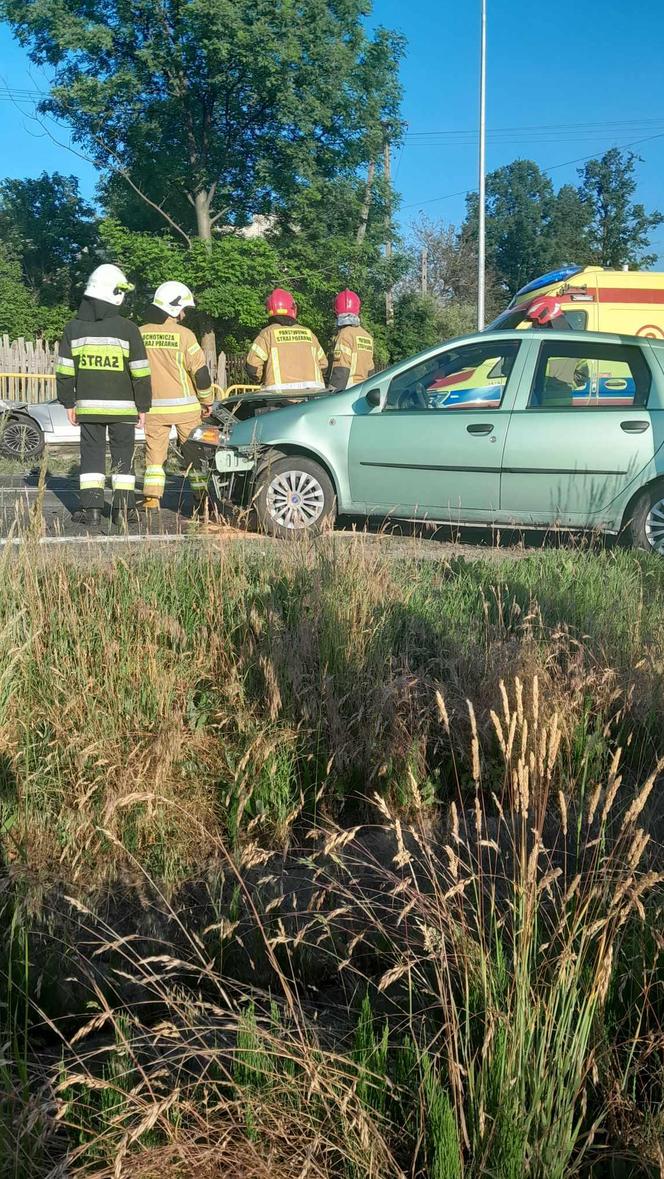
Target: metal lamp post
481,251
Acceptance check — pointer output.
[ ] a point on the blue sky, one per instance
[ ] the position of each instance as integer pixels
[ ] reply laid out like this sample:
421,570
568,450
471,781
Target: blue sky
569,83
590,62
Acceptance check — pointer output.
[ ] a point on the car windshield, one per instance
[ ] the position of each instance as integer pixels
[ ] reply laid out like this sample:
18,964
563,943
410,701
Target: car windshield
514,318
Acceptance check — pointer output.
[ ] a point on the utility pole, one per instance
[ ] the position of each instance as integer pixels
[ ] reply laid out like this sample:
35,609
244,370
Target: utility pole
481,237
424,270
366,204
389,297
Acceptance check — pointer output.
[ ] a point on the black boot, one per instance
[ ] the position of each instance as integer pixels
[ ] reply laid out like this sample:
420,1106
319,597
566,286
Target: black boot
91,517
124,515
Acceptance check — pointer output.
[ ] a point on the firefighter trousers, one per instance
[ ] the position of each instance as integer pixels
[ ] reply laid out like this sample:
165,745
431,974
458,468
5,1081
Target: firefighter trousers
93,464
157,430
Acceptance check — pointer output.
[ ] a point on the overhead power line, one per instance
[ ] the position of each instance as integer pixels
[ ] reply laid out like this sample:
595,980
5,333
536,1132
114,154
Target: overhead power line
552,168
542,127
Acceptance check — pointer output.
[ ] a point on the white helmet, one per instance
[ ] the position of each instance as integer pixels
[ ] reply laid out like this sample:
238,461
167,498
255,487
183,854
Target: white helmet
173,297
109,283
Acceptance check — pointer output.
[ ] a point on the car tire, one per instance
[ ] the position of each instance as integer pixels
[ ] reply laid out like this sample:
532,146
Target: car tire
294,496
645,526
21,438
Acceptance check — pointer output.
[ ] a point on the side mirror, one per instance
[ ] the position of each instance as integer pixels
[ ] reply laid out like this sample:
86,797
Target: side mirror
373,396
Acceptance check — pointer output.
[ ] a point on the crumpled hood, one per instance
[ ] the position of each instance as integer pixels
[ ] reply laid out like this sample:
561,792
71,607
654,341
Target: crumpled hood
284,424
93,310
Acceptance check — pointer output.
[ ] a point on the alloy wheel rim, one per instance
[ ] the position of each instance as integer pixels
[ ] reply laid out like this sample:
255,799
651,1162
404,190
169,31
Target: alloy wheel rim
295,499
20,439
655,527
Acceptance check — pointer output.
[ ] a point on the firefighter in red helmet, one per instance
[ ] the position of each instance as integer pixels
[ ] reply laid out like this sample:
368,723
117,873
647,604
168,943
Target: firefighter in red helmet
285,355
353,352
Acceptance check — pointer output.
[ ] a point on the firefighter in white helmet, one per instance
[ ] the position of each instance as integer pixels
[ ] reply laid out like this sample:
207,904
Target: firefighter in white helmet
103,380
181,391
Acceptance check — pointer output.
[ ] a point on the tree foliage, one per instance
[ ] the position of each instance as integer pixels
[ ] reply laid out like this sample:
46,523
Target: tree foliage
20,312
618,229
232,276
568,228
531,228
46,224
451,262
519,205
420,321
216,109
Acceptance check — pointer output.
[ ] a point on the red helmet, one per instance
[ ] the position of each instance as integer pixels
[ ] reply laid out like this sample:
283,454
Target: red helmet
281,302
347,303
544,310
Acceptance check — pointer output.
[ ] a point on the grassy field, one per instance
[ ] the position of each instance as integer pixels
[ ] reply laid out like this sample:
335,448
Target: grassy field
318,864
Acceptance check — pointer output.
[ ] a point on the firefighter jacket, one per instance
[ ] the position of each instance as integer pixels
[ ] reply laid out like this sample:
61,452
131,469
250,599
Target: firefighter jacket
102,368
352,357
180,376
286,355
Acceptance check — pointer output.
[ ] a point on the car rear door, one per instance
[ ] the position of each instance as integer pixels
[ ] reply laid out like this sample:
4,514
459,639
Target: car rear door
580,433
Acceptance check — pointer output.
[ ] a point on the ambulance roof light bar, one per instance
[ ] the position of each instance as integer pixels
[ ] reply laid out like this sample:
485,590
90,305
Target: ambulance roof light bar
560,275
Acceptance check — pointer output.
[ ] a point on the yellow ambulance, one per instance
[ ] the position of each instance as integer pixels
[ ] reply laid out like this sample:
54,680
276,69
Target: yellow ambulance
590,298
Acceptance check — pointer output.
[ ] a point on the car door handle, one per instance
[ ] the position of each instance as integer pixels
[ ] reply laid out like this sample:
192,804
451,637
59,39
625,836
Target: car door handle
480,428
634,427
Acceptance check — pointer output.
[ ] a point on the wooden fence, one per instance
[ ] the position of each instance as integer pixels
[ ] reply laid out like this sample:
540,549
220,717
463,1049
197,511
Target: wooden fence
27,370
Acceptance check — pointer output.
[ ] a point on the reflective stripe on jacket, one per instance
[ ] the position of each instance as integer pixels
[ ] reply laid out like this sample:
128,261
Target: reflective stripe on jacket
287,356
180,377
102,368
353,352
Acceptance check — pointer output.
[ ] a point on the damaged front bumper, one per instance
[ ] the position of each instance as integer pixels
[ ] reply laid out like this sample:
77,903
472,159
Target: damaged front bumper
228,461
231,474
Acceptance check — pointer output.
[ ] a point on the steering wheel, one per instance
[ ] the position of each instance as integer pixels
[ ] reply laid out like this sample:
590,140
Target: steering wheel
413,398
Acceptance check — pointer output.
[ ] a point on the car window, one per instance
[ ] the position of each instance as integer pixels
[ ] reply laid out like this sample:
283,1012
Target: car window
472,376
589,376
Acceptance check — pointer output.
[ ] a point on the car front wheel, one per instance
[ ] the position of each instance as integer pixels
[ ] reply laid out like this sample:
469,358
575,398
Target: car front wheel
21,438
294,496
646,525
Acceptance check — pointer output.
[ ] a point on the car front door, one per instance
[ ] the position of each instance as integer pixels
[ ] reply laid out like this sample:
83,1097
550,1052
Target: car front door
435,448
579,435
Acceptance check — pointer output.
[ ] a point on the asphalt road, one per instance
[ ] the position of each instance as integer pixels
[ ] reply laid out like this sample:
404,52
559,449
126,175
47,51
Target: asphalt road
26,509
25,506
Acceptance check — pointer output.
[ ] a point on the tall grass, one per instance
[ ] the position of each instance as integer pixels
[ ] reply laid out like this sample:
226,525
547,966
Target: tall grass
254,688
323,866
486,966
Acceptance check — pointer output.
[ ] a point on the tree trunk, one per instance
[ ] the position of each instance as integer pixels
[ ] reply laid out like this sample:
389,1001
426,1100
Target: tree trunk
389,294
366,204
204,227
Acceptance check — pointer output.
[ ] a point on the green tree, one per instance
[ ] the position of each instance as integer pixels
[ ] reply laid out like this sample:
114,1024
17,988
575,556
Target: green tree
519,201
20,312
569,228
232,275
619,229
215,109
47,225
320,254
443,263
18,306
417,325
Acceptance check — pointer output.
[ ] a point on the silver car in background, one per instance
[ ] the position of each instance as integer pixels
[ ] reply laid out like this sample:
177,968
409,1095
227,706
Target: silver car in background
26,429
